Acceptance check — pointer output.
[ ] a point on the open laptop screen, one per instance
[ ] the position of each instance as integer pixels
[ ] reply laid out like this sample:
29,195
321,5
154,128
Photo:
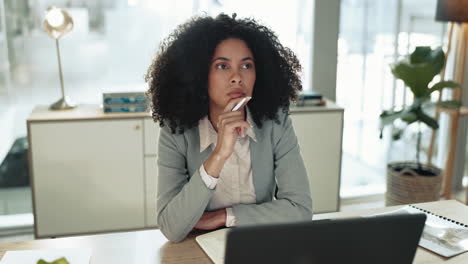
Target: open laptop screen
379,239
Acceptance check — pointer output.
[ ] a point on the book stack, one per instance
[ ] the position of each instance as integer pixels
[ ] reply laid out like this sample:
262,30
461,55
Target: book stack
310,99
118,102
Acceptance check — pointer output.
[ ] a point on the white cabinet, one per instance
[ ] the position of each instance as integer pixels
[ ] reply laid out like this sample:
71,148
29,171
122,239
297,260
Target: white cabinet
90,175
94,172
151,134
319,135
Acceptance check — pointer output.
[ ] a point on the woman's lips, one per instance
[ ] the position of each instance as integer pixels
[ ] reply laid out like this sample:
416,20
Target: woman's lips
236,94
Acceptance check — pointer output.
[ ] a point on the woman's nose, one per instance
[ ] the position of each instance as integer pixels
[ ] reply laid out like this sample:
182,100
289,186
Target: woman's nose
236,78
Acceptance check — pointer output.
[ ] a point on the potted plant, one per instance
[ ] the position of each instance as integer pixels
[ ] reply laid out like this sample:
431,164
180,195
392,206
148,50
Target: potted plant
412,181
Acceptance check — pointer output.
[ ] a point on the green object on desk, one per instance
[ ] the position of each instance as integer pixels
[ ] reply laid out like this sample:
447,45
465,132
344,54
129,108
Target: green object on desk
57,261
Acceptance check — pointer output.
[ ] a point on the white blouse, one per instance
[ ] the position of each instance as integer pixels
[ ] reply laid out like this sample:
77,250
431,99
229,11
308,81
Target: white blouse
235,182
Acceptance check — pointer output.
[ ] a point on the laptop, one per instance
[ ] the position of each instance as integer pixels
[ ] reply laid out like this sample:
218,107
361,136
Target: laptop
377,239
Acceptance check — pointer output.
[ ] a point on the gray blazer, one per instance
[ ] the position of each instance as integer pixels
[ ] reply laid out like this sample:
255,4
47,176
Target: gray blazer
276,160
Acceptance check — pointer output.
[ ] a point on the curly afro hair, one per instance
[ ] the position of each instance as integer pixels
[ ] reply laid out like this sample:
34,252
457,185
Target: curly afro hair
178,76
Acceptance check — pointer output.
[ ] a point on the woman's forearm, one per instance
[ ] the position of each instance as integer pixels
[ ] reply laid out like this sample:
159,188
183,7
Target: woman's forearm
212,220
214,164
180,209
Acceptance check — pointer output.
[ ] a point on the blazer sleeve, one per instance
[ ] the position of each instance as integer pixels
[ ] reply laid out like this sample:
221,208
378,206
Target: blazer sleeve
294,202
181,199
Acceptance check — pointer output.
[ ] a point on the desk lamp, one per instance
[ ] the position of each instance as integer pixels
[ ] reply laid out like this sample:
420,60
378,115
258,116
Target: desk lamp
57,23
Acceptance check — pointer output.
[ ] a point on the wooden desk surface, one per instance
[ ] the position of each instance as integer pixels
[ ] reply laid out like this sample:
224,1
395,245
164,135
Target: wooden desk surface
150,246
139,247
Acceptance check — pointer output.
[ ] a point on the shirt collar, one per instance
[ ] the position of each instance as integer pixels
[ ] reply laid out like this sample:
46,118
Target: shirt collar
209,136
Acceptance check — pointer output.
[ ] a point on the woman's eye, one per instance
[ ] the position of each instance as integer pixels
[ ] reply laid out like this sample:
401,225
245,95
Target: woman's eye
247,66
221,66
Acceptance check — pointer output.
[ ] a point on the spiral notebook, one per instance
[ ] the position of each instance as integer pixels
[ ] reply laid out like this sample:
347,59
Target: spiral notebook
441,234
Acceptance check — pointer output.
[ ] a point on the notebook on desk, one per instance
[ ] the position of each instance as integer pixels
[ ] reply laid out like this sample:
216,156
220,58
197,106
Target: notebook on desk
441,235
380,239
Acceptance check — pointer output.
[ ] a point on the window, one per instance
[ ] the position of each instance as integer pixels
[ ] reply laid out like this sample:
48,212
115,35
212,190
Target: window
113,42
374,34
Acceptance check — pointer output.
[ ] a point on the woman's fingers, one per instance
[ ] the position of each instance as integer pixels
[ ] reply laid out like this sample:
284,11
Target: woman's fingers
233,102
228,119
232,125
229,114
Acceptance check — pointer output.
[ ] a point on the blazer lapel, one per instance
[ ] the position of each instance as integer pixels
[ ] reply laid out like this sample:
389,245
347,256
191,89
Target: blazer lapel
194,156
255,161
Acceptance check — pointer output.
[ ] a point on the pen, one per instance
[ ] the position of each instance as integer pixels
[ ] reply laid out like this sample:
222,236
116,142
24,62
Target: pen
238,105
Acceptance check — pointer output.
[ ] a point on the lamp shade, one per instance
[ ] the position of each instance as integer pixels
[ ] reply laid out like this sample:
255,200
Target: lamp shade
57,22
452,10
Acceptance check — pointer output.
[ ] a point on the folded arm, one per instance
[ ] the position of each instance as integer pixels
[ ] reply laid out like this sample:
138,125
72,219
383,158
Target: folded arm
181,200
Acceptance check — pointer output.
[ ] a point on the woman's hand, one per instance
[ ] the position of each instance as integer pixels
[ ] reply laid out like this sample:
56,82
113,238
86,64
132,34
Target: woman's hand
212,220
230,125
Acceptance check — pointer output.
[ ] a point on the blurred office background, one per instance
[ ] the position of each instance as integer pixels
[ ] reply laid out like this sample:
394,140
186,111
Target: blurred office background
110,48
114,41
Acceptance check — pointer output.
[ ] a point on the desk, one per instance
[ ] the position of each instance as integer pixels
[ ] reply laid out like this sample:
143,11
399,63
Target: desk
150,246
138,247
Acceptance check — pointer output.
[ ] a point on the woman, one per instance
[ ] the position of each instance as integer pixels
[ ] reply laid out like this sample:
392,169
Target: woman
218,164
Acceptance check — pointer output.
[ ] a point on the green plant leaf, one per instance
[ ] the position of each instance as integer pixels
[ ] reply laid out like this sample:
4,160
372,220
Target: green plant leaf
429,121
420,54
418,102
419,70
409,116
387,117
443,84
451,104
424,54
417,77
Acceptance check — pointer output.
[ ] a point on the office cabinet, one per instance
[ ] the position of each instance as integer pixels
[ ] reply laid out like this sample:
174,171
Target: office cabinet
88,171
93,172
319,136
88,176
